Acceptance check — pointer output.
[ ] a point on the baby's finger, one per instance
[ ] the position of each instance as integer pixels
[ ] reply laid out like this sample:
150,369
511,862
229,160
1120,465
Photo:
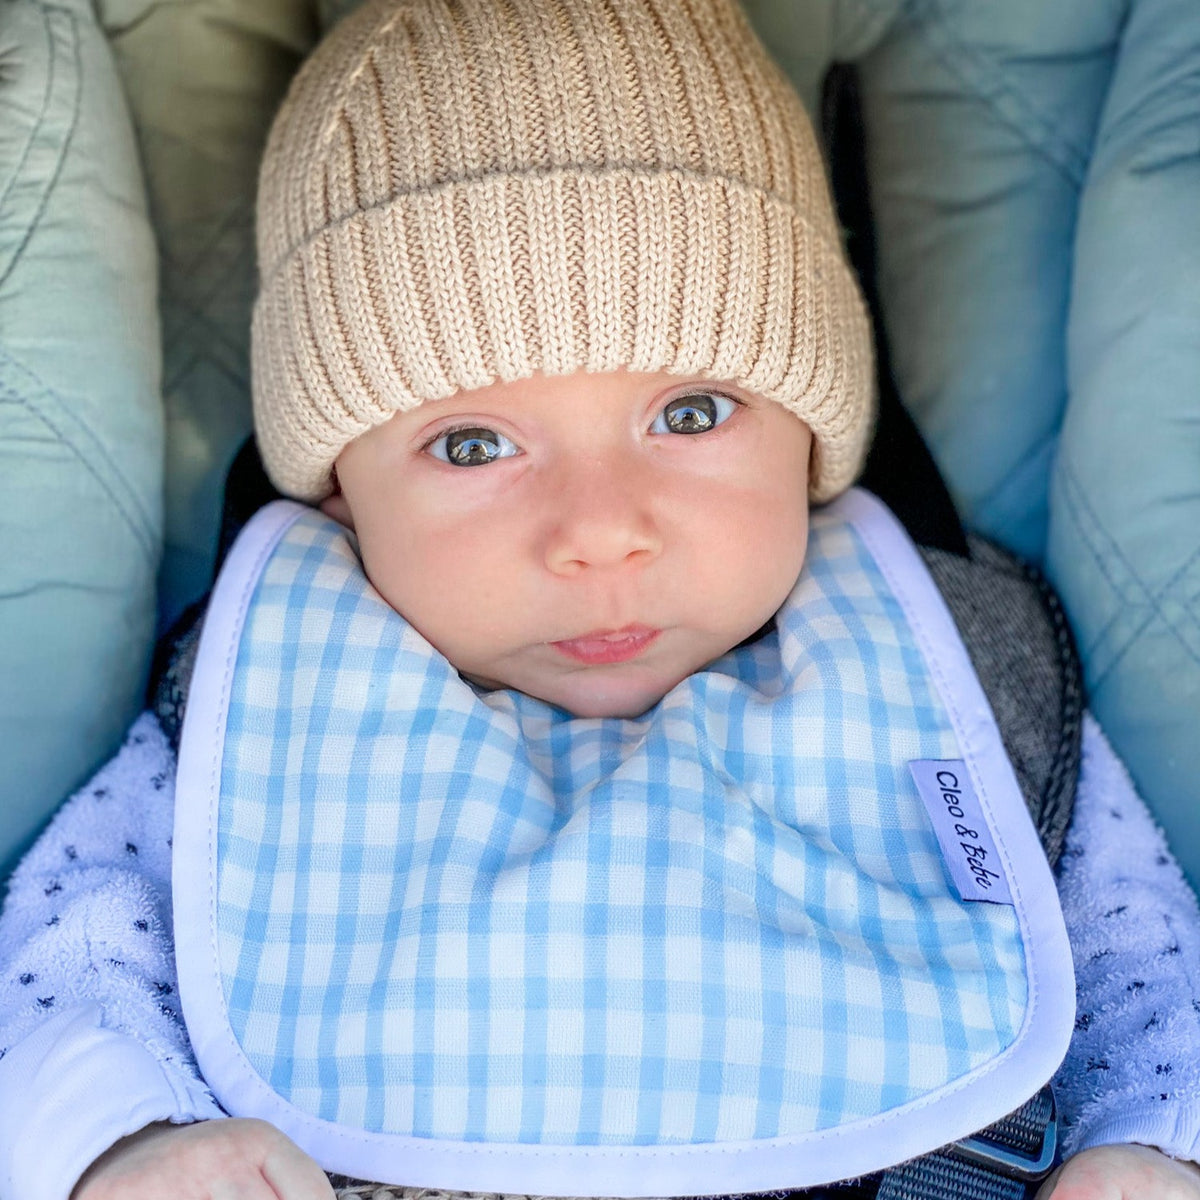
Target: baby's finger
256,1188
1048,1185
294,1176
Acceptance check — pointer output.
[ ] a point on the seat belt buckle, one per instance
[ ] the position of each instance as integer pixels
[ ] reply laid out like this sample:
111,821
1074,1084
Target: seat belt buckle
1023,1146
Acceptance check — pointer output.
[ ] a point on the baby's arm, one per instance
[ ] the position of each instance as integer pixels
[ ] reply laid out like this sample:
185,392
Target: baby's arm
1132,1074
92,1047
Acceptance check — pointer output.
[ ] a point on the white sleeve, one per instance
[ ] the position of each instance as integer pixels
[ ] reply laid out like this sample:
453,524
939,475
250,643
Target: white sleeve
92,1045
1132,1073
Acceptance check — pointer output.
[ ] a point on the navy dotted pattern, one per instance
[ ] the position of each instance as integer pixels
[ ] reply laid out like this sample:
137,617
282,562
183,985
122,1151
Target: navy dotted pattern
1135,938
88,916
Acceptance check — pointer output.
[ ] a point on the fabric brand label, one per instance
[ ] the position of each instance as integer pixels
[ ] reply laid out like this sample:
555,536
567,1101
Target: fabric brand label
962,832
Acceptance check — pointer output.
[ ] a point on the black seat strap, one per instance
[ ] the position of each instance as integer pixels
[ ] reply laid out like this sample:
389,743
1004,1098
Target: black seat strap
1003,1162
941,1177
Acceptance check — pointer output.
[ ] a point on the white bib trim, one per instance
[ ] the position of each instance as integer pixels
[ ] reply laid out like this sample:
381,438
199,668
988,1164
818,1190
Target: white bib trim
726,1155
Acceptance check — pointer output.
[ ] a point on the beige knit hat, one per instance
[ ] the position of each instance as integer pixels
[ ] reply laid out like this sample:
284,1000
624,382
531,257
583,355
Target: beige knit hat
458,192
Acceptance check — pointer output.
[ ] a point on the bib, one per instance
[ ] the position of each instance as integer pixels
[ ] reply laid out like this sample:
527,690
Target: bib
791,925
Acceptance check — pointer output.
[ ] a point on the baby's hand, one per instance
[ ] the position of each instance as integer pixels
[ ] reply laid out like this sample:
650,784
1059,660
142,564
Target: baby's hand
231,1159
1122,1173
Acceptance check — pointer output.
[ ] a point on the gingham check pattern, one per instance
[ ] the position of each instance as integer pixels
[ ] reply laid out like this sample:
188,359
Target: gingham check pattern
471,917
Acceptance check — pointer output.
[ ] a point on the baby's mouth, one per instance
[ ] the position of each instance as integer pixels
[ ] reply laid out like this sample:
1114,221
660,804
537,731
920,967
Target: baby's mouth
603,646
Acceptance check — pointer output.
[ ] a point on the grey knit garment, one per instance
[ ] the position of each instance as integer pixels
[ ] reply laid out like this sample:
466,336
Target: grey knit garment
1023,652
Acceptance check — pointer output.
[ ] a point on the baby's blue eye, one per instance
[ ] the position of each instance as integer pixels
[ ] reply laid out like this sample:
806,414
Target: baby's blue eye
696,413
473,447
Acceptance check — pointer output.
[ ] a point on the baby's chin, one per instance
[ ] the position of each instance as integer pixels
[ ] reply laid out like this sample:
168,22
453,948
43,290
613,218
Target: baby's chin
626,709
624,690
592,694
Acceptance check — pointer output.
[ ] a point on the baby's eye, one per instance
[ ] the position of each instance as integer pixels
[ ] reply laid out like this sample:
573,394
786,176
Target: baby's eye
697,413
471,447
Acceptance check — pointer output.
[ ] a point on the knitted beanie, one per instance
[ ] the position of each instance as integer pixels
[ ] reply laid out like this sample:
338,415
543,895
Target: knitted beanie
459,192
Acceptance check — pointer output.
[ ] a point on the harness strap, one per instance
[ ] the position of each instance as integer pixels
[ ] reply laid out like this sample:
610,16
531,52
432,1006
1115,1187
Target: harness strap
1005,1161
998,1163
941,1177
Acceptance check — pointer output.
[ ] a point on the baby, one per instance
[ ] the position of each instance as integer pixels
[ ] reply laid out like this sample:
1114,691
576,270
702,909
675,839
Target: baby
554,318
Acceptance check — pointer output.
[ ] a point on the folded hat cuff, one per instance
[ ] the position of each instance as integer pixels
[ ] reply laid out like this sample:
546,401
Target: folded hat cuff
556,271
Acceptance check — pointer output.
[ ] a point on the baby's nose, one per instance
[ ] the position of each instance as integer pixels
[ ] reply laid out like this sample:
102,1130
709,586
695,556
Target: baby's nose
603,516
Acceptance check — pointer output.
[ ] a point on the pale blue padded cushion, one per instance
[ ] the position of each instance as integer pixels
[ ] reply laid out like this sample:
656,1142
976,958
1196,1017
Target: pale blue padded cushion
80,416
1035,171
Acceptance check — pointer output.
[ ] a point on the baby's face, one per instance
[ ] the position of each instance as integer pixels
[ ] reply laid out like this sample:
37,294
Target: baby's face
589,540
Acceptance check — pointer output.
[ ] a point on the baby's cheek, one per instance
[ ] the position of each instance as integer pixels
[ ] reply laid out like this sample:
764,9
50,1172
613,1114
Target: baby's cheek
464,606
770,545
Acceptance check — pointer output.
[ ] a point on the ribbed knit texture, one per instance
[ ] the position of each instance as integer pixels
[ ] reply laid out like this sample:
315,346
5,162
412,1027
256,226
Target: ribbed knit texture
458,192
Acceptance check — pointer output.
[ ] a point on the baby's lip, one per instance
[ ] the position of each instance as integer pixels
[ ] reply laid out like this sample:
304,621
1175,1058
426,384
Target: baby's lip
602,646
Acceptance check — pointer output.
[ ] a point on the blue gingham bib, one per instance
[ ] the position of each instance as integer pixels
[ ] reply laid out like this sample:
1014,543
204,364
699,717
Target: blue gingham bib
462,939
